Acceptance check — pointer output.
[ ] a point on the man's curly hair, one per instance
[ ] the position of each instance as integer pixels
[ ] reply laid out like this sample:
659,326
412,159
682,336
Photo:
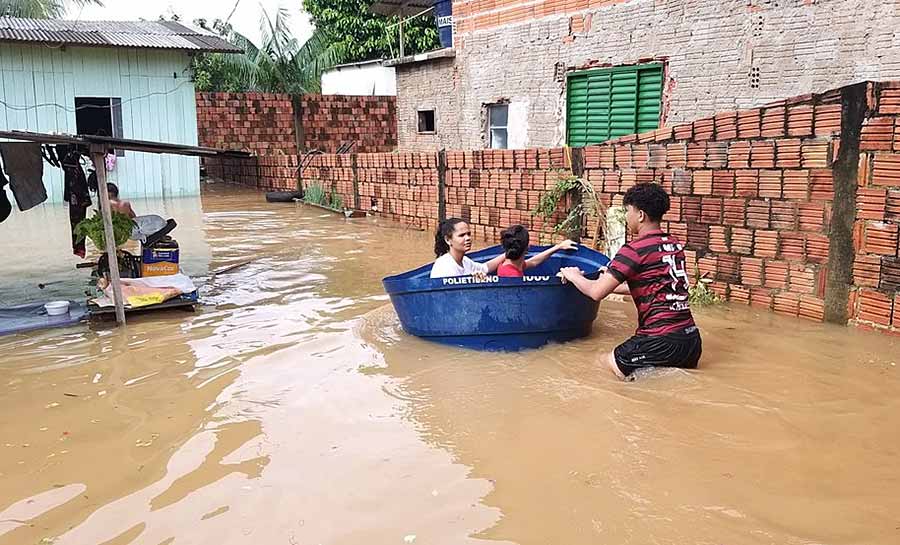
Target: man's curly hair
650,198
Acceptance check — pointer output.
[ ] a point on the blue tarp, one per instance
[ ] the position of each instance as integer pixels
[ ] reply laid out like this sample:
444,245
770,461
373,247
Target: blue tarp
33,316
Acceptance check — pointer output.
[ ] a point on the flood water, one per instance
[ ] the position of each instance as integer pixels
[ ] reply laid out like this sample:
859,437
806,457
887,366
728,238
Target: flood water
291,408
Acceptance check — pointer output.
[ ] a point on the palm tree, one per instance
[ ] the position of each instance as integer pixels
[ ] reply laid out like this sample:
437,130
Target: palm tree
281,64
41,9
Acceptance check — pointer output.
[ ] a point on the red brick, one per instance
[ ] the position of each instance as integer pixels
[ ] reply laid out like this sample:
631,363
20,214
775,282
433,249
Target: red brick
886,169
875,307
892,205
867,270
741,240
765,243
796,184
817,247
751,271
718,239
739,294
761,298
640,156
698,236
717,154
776,275
773,122
871,204
707,267
793,245
739,155
677,155
802,278
762,154
815,153
729,268
821,185
748,123
770,183
787,304
812,308
734,212
726,125
678,230
723,183
828,119
881,239
877,134
684,131
800,120
889,101
811,216
703,182
758,214
890,274
788,153
704,129
711,210
747,183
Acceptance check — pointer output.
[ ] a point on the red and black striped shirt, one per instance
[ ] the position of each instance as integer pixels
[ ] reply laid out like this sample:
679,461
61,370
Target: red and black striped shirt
654,267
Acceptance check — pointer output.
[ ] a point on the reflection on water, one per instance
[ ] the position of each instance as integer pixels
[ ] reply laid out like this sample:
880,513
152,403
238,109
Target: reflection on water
291,408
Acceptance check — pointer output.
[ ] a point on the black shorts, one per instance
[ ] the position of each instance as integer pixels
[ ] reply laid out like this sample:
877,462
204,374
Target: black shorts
680,349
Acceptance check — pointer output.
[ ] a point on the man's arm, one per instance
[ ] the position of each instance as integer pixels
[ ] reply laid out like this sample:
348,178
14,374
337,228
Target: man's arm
595,289
495,263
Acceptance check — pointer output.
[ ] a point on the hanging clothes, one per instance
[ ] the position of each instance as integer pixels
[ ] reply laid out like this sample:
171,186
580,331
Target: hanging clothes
25,168
5,206
75,192
110,160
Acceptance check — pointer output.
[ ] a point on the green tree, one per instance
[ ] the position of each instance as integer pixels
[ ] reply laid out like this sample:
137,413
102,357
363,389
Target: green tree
364,35
41,9
280,64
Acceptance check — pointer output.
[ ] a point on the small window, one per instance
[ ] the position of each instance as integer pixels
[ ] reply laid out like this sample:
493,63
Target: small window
99,116
426,121
498,119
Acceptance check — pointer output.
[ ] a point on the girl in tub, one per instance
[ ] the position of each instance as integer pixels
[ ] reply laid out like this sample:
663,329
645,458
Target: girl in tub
515,245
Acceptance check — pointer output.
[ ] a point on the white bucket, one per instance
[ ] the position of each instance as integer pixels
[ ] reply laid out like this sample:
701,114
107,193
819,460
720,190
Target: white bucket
57,308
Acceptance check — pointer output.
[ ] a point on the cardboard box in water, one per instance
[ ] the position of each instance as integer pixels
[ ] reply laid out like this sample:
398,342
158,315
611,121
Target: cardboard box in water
161,259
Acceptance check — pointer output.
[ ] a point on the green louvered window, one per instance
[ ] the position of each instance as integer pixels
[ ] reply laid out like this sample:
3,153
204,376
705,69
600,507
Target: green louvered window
612,102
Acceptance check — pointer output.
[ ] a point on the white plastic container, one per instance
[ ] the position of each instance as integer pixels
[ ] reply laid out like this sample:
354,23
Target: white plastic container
57,308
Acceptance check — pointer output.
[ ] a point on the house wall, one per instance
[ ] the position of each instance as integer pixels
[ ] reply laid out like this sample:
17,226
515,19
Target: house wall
366,79
38,86
519,50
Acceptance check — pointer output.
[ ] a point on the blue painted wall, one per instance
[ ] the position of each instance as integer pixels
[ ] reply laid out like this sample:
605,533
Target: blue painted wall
39,83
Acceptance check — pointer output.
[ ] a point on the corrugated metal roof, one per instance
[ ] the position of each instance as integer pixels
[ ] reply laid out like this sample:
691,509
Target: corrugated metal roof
403,8
138,34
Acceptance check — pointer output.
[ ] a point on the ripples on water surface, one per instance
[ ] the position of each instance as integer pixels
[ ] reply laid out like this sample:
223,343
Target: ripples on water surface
292,409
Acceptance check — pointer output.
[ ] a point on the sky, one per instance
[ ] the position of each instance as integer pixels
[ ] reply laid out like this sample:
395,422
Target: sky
245,19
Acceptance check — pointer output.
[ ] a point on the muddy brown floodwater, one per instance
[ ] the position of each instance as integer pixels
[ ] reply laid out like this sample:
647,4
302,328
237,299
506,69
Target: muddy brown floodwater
292,409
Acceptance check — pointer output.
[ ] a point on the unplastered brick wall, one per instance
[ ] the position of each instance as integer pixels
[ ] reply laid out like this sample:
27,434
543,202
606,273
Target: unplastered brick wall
262,123
751,196
329,121
875,300
719,55
760,197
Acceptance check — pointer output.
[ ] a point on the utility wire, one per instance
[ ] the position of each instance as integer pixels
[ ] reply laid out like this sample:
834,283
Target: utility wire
88,106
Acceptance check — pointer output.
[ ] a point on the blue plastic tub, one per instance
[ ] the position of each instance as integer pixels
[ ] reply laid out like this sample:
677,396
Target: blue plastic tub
501,313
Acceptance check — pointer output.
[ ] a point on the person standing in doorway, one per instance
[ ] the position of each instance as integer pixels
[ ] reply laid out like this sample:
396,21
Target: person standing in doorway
650,268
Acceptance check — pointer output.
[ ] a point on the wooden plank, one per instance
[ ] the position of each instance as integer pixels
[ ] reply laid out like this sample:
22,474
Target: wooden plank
97,153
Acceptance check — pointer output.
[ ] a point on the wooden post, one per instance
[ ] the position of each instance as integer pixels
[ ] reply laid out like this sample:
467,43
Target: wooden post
97,156
442,183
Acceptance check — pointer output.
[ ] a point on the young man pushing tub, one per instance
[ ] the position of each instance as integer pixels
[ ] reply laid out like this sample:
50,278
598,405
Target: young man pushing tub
653,266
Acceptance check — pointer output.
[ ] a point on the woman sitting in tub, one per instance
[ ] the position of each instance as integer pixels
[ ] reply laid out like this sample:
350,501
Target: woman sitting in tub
515,246
451,242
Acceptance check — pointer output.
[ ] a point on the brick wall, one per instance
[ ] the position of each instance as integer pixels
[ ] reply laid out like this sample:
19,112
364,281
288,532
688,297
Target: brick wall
712,49
262,123
328,121
875,299
266,125
753,197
